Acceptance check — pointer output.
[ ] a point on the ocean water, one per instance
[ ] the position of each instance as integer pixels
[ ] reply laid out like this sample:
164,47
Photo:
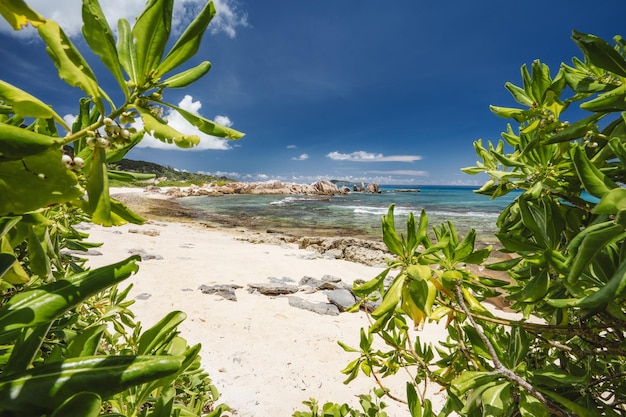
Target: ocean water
355,214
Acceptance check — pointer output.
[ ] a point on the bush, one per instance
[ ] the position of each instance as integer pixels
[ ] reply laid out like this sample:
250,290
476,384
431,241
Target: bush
68,342
565,235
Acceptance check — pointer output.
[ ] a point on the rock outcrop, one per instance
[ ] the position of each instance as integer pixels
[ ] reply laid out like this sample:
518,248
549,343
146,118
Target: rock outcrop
368,252
322,187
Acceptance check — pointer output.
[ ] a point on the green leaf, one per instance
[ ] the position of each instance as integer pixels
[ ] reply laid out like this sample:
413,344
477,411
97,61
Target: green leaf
515,243
43,304
86,342
519,94
151,32
575,131
189,42
71,65
479,256
595,182
160,333
128,176
39,261
26,348
415,405
127,53
613,289
540,82
14,273
45,173
98,204
18,14
535,290
466,246
391,298
123,214
164,404
83,404
207,126
17,143
469,380
99,37
42,389
552,376
160,130
390,236
578,410
184,78
618,147
600,53
365,289
529,406
610,101
588,243
6,262
504,265
581,81
497,399
117,154
518,115
612,202
27,105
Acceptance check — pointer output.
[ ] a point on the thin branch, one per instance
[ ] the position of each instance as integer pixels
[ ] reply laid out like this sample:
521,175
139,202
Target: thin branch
503,370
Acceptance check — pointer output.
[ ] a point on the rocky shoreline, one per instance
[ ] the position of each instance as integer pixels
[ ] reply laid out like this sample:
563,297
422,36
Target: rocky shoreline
267,187
161,205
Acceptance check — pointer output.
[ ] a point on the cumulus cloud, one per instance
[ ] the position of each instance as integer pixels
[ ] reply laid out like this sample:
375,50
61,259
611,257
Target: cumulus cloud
229,17
227,174
175,120
292,147
67,13
302,157
362,156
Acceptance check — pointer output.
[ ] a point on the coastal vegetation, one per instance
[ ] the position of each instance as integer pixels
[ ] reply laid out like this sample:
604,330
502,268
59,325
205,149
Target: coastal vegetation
565,238
69,344
141,173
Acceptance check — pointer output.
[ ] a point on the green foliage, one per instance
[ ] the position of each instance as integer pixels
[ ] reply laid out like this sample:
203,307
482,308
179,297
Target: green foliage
136,173
69,344
370,407
565,237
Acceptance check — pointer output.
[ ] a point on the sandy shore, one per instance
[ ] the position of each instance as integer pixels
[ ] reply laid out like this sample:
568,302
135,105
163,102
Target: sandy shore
264,355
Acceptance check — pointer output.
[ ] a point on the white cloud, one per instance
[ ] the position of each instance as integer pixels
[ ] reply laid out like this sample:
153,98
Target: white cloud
226,174
175,120
302,157
292,147
228,18
221,120
67,13
410,172
69,119
362,156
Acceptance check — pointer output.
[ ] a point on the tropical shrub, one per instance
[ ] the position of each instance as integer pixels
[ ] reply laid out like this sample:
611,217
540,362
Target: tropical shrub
565,237
69,344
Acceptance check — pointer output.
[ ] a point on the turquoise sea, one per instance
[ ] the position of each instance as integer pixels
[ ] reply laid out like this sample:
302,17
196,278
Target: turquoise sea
355,214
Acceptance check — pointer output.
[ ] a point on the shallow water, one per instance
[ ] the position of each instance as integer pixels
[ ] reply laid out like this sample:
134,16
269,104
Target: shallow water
355,214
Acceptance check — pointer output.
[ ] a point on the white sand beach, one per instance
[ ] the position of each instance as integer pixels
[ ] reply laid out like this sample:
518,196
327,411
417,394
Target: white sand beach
264,356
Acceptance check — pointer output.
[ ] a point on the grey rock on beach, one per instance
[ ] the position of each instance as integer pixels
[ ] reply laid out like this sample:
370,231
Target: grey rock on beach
339,294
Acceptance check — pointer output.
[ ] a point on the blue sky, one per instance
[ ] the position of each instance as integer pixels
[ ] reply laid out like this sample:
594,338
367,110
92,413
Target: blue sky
391,92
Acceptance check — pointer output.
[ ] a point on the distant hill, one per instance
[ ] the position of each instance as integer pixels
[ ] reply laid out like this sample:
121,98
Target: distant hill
166,174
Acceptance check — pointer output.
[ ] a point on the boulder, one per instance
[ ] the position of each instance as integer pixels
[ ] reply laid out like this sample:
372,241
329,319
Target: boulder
325,188
319,308
341,298
373,188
